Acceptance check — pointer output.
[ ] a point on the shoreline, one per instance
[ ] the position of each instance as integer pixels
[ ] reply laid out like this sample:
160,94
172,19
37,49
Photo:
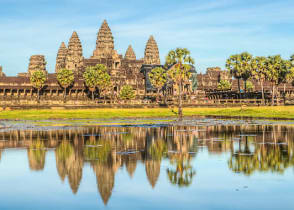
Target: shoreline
270,113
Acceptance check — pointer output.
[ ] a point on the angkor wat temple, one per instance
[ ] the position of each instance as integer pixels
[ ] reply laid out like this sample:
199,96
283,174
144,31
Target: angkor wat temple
127,69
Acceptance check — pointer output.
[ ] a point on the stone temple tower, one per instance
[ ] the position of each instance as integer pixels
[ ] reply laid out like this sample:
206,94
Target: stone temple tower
151,52
104,43
130,54
61,57
74,58
37,62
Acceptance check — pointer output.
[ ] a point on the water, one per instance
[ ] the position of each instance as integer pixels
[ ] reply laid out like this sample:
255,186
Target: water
153,167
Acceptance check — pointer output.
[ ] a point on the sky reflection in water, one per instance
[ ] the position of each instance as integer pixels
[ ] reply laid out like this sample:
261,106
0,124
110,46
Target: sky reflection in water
199,167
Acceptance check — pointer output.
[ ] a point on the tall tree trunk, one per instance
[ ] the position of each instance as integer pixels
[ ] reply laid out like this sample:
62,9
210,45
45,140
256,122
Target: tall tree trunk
273,94
180,111
38,100
239,88
92,95
284,95
157,97
64,95
262,92
245,85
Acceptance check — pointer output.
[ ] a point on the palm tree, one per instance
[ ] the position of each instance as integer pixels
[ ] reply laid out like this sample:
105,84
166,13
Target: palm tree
38,79
278,71
240,67
180,62
246,60
234,67
65,78
259,72
158,78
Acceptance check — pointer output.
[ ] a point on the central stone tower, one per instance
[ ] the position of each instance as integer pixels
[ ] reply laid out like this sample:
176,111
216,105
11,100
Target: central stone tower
104,43
74,58
151,56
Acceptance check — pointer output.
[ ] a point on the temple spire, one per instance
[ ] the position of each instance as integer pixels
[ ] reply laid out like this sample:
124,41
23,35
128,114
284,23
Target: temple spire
151,52
74,58
61,57
130,54
104,43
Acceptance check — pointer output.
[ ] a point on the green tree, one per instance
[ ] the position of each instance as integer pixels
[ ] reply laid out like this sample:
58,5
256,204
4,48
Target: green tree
183,173
250,86
259,69
278,71
91,77
65,78
97,77
158,78
180,62
292,59
104,79
224,85
38,79
127,92
239,66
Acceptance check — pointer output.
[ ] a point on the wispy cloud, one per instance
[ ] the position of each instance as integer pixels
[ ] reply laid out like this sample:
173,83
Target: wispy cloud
211,29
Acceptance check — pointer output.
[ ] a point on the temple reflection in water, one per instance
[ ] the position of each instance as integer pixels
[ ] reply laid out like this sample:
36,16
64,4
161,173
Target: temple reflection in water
250,148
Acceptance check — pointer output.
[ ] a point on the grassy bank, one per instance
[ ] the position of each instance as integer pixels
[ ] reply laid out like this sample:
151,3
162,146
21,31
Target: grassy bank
266,112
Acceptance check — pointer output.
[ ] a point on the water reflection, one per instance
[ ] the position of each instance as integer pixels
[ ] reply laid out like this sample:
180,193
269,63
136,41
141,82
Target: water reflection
250,149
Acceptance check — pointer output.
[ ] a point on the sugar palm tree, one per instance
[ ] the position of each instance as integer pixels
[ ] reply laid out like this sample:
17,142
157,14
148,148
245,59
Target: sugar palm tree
259,72
278,71
38,79
234,67
240,67
179,72
65,78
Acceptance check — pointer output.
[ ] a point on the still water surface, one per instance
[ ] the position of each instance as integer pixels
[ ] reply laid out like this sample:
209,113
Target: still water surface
157,167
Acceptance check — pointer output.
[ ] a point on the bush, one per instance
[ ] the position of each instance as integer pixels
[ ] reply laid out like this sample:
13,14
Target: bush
224,85
127,92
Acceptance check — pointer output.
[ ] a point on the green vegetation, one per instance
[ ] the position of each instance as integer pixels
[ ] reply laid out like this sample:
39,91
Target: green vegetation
104,80
158,78
38,79
259,72
127,92
179,73
224,85
278,71
283,112
65,78
273,69
97,77
250,86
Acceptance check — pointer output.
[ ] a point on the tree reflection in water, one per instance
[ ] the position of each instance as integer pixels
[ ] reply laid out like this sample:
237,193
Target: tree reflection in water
36,155
251,149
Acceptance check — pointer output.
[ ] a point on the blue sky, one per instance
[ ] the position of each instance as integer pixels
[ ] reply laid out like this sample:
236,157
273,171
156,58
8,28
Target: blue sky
211,30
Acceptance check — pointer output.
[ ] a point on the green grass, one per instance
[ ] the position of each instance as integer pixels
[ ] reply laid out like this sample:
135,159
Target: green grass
283,112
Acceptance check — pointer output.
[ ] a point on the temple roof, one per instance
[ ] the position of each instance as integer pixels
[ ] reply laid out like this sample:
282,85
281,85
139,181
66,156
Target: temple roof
104,42
151,52
74,44
130,54
61,57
